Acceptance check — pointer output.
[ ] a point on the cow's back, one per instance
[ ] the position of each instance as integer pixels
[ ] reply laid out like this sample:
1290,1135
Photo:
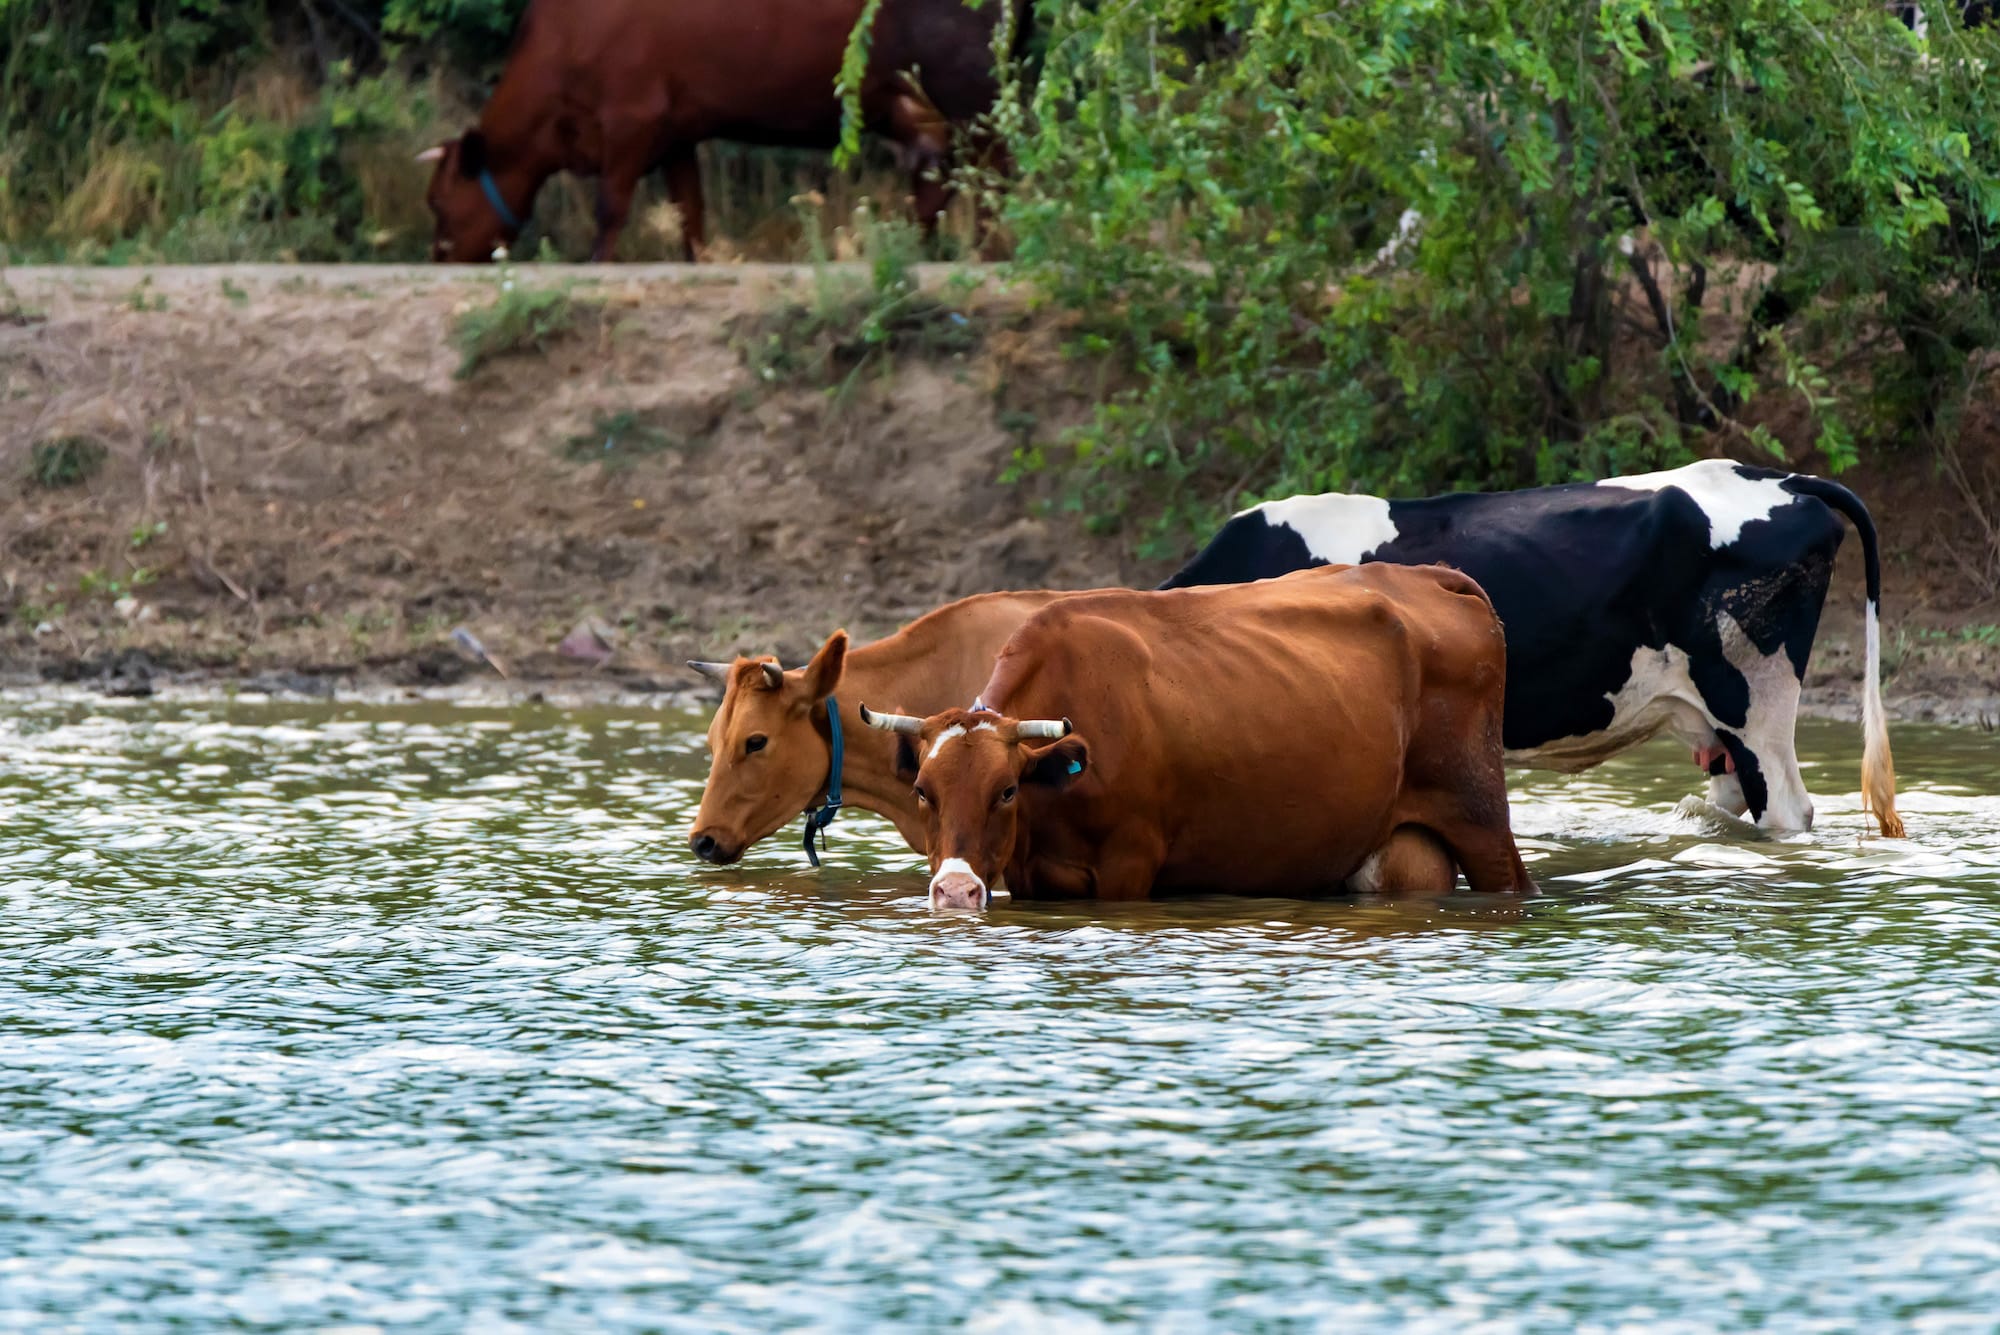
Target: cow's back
759,71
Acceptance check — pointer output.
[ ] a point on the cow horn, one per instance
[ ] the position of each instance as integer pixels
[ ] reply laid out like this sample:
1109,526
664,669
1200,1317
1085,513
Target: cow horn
713,671
892,722
435,153
774,676
1045,728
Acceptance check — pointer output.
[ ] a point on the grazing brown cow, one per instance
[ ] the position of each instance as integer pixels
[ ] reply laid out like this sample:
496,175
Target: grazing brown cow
615,88
1265,738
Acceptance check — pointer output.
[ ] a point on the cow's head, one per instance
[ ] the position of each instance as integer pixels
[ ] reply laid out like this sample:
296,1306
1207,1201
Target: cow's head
769,758
469,224
969,767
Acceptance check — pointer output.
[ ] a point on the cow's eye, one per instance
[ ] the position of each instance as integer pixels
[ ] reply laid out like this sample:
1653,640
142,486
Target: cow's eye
1007,794
923,798
755,743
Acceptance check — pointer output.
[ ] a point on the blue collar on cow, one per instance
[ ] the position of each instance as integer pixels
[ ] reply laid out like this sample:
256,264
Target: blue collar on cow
818,818
499,202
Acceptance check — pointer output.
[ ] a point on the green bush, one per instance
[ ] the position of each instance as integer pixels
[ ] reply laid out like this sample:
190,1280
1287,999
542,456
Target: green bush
1498,242
199,129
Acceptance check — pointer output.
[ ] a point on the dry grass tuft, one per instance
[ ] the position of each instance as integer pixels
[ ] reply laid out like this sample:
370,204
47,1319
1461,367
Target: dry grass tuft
122,193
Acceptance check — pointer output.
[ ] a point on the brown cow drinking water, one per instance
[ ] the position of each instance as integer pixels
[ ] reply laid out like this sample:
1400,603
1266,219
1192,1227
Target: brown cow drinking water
615,88
1266,738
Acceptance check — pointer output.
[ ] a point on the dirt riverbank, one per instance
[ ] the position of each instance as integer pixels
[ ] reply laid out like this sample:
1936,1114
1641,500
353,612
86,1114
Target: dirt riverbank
285,482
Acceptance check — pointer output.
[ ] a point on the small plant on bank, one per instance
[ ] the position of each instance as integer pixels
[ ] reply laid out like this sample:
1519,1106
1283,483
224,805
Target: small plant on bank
144,299
65,461
103,584
518,319
852,322
13,310
618,440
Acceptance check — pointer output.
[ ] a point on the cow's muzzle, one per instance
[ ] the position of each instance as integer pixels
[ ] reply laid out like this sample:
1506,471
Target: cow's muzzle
710,849
955,887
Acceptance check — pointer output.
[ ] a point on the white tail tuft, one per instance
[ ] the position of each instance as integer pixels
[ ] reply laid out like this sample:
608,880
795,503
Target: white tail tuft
1878,768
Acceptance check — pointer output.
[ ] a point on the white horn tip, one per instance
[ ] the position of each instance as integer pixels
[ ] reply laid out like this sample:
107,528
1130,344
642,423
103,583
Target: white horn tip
435,153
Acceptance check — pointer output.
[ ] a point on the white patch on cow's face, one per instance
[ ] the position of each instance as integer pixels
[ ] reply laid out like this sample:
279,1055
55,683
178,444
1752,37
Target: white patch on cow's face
984,727
1729,499
955,730
1338,528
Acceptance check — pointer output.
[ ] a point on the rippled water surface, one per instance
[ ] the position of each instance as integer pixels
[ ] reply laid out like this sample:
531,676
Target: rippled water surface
421,1018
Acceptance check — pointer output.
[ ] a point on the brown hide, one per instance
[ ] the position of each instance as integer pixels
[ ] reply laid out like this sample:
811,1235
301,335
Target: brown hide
936,661
1264,738
615,88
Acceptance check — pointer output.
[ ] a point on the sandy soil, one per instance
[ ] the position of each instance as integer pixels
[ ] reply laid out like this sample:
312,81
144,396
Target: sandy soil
298,492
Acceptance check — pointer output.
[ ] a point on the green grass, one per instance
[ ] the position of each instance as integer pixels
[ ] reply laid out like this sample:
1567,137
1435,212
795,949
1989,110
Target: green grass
65,461
619,440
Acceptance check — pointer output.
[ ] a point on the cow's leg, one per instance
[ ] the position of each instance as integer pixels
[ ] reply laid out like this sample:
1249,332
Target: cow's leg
1753,704
1470,816
614,206
684,188
925,138
628,152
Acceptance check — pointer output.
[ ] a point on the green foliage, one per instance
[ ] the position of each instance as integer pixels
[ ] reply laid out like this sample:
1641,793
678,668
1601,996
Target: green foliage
1499,242
65,461
847,84
518,319
854,322
203,130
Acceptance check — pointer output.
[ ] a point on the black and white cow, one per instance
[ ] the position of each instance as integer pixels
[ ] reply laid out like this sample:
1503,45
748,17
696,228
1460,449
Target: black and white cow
1683,601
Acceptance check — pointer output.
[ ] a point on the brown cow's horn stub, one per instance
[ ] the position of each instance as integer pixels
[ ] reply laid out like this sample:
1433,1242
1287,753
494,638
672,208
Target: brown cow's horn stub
774,676
713,671
435,153
1047,728
902,723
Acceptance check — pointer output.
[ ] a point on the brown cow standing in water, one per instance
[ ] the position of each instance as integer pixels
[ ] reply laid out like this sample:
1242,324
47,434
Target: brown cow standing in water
1280,737
771,742
615,88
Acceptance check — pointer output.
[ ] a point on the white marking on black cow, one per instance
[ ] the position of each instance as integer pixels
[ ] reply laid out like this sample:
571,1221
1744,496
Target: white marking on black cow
1660,695
1768,731
1657,693
1337,528
1729,499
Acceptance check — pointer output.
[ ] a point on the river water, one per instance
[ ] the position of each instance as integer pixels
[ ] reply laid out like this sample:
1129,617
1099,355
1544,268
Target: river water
421,1018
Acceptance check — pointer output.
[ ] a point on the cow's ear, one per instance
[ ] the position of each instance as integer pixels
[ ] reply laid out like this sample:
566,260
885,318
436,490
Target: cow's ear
906,757
822,675
1058,764
471,153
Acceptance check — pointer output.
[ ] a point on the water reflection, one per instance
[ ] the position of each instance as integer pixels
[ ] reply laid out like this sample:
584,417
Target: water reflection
423,1017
